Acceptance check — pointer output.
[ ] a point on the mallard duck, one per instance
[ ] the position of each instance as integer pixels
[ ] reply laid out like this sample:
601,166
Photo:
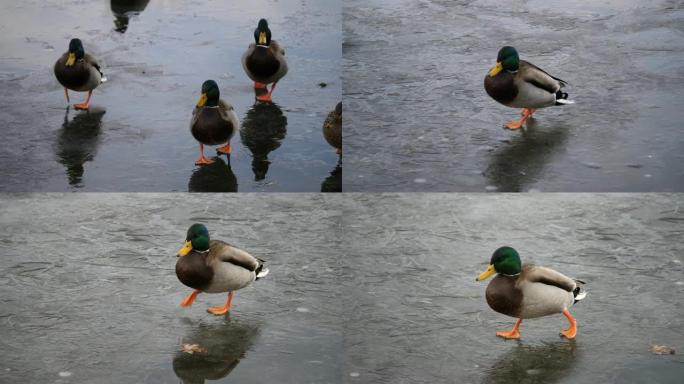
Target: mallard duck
212,266
264,61
529,291
214,121
332,128
78,71
518,84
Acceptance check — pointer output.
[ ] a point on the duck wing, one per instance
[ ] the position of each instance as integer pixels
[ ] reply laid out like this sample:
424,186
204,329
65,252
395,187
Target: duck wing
277,48
230,254
539,78
90,59
548,276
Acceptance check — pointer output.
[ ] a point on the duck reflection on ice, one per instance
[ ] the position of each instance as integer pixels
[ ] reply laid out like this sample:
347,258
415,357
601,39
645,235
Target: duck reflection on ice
263,129
225,343
515,166
77,142
123,10
546,363
333,183
215,177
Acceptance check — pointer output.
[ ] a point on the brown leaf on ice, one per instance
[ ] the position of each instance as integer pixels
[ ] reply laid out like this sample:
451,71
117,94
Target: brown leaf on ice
192,348
662,350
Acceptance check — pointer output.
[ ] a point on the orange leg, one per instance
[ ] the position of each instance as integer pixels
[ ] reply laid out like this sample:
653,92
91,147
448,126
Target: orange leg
225,149
513,333
263,94
222,310
526,112
272,88
258,85
190,299
571,332
66,94
202,160
84,105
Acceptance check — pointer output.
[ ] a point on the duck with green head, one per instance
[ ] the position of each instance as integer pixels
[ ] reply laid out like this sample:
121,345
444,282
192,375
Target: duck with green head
213,266
214,121
264,62
78,71
527,291
519,84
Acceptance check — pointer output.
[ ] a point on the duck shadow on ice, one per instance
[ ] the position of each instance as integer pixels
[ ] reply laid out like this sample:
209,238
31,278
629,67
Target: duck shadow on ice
263,130
223,346
215,177
545,363
333,183
77,142
123,10
516,165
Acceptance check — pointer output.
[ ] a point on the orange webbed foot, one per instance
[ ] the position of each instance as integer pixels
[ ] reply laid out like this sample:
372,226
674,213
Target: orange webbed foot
222,310
513,124
203,161
82,106
571,332
266,98
218,311
513,333
226,149
189,299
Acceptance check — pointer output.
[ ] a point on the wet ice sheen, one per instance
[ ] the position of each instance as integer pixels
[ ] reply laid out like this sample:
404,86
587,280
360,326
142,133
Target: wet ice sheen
416,107
136,137
88,289
87,286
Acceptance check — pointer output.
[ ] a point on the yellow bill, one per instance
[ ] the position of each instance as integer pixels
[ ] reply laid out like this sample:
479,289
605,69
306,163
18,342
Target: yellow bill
187,247
496,69
262,38
484,275
202,100
71,59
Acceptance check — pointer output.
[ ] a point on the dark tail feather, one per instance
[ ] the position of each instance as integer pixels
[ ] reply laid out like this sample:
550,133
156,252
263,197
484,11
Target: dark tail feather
562,98
579,293
261,271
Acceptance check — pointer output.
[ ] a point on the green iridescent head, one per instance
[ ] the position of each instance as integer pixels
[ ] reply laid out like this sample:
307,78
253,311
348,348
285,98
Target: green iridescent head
505,261
197,239
507,59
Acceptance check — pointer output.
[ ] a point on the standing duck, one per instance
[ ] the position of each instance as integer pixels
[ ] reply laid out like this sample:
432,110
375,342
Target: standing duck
213,121
332,128
78,71
519,84
529,291
264,62
213,266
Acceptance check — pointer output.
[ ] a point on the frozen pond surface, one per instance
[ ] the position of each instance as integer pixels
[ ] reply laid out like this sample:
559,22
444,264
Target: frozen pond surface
418,316
88,288
417,117
363,289
136,136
